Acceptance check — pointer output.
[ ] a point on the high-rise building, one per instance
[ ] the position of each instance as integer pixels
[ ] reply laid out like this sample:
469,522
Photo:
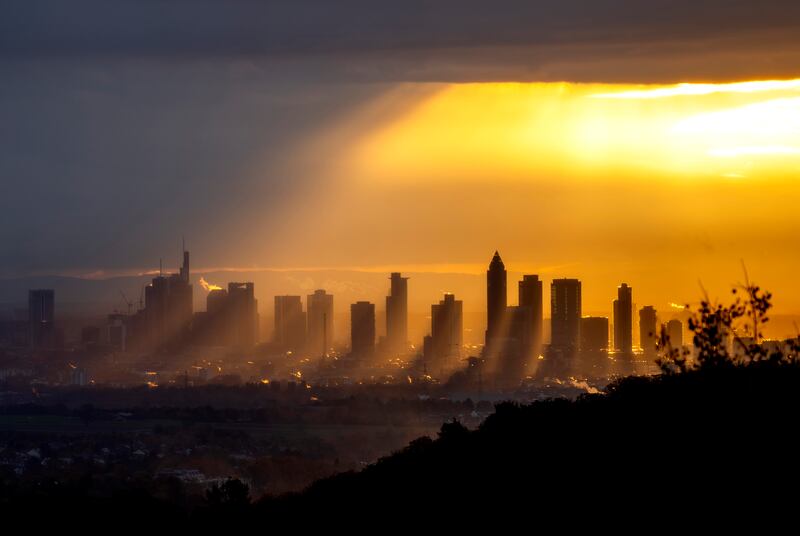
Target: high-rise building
397,314
218,329
319,307
168,306
41,317
243,310
290,323
496,299
647,331
443,346
232,316
623,320
362,330
565,314
530,297
675,333
594,334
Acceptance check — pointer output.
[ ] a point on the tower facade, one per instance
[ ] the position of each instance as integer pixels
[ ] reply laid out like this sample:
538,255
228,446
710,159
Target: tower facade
623,319
647,331
496,299
290,323
565,314
397,314
362,330
320,322
530,297
443,347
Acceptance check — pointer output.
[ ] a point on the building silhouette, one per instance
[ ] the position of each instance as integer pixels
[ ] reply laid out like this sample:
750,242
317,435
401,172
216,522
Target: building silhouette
290,324
515,353
594,346
674,329
442,348
319,335
594,334
168,307
41,318
530,297
565,314
397,315
623,320
231,317
496,301
243,310
647,331
362,330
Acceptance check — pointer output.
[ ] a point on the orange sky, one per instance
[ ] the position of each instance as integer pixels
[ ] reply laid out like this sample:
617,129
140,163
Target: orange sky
659,186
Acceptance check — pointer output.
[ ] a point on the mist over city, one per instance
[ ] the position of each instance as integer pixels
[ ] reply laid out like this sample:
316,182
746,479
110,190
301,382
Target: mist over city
297,265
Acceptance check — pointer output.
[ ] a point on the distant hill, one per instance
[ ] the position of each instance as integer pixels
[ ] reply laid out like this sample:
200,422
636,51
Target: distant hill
647,446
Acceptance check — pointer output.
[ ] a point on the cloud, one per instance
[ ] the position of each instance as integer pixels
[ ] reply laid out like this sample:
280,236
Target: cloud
421,40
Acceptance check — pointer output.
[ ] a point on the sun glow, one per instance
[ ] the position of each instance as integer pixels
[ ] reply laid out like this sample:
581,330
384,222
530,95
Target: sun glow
535,131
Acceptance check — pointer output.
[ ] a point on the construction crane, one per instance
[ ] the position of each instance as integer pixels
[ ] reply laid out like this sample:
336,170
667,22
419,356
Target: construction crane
127,301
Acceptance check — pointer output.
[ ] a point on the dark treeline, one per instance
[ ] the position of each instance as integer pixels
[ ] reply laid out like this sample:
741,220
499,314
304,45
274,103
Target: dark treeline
721,436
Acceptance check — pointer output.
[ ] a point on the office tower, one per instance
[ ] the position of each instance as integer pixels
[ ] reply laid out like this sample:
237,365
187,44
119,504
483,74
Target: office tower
397,314
594,334
530,296
674,330
179,298
290,323
168,306
117,331
219,327
647,331
593,361
232,316
319,307
41,316
243,310
362,330
623,320
155,307
496,298
515,354
519,342
443,346
565,314
184,273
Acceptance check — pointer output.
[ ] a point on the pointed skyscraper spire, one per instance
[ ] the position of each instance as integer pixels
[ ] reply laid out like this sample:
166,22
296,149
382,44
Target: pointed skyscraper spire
495,297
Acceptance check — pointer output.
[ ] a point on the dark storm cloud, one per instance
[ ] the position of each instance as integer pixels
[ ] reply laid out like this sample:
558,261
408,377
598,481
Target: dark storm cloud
416,39
124,124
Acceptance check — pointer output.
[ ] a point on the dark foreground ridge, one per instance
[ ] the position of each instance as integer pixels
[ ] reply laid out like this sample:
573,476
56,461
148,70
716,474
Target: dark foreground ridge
721,436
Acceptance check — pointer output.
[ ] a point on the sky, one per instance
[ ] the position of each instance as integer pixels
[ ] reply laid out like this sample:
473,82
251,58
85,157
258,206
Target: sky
418,136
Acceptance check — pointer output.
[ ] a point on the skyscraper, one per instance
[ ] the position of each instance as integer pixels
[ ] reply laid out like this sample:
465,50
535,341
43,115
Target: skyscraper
675,333
397,314
565,314
623,320
362,330
593,360
530,297
168,306
443,346
290,323
594,334
243,310
41,317
647,331
320,322
496,299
